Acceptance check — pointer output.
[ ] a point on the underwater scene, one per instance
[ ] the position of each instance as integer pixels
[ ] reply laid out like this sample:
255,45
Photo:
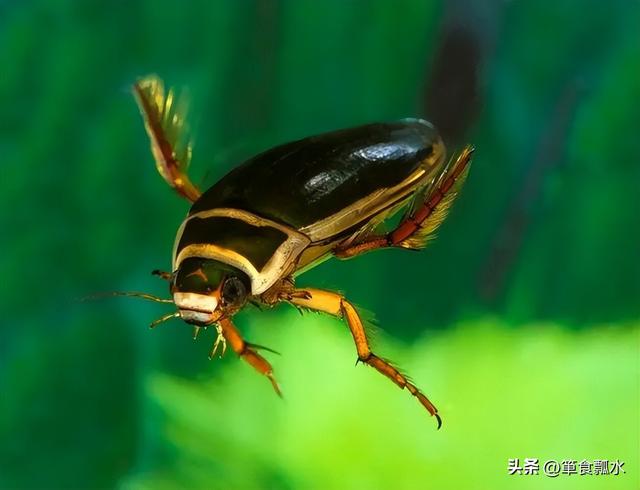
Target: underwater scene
520,319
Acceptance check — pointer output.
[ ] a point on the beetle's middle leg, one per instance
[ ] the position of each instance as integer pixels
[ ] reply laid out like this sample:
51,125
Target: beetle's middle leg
336,305
247,352
417,227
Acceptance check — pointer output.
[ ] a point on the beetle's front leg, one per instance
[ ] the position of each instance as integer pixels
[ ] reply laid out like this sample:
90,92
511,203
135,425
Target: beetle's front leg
220,341
167,276
247,352
336,305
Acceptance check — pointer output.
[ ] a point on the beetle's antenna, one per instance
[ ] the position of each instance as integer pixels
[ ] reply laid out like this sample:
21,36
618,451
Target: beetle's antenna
166,317
134,294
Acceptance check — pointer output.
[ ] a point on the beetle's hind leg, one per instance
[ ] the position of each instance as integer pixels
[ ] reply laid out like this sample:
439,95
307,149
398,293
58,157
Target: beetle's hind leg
164,115
248,352
336,305
422,219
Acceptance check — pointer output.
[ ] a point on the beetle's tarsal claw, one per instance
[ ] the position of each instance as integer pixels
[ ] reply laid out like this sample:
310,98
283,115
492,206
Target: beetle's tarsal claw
275,385
261,347
220,342
438,419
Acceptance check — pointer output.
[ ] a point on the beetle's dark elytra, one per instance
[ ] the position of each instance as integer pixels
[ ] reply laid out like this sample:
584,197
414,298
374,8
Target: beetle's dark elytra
305,181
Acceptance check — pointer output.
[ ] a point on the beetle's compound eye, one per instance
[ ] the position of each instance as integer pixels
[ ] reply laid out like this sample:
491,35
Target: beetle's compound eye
234,291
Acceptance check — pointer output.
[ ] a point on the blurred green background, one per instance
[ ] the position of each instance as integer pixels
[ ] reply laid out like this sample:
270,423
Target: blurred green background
521,322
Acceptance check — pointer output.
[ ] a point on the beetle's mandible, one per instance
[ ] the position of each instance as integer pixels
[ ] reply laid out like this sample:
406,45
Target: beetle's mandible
247,237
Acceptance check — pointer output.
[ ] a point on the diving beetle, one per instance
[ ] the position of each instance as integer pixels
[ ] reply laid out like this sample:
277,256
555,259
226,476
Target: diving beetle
286,210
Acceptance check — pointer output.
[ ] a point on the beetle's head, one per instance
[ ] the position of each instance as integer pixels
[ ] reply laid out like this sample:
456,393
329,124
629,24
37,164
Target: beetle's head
205,290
